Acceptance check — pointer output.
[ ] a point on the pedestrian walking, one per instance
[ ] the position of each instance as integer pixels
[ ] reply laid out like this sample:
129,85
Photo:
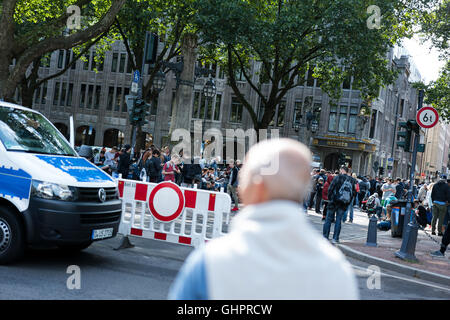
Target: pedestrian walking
440,197
325,195
444,243
123,167
319,189
232,185
340,194
271,251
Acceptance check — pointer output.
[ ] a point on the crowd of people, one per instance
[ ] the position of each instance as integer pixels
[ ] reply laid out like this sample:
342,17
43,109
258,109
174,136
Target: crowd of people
157,165
336,194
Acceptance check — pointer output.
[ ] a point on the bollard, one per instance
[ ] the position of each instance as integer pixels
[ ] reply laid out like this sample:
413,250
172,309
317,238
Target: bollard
408,247
372,232
125,244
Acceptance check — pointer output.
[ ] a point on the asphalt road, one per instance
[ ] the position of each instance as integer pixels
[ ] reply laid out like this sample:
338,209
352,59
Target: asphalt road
147,271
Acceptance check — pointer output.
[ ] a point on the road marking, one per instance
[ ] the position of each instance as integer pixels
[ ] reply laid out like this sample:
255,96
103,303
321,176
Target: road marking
360,271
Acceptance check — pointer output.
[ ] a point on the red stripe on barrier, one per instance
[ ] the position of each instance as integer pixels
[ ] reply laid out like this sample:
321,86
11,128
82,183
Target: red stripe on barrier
212,202
184,240
141,192
121,186
160,236
190,198
136,232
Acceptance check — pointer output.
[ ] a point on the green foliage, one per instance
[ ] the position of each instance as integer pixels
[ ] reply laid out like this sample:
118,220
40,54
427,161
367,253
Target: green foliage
437,93
288,37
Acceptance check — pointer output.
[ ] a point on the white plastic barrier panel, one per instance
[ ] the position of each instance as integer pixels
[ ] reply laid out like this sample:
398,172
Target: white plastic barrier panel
167,212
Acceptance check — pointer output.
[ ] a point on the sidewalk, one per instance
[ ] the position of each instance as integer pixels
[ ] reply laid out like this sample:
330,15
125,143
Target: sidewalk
352,243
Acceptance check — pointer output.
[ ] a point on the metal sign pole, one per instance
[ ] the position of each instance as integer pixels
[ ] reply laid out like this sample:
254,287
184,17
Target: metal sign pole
410,228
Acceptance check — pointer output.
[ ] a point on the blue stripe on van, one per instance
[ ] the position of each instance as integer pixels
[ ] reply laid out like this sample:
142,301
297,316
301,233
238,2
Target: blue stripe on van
14,183
79,168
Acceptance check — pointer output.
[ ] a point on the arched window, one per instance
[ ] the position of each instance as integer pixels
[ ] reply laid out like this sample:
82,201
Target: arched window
113,138
85,135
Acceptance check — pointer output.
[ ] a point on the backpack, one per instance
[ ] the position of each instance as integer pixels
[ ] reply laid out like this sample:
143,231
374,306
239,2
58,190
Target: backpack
345,192
371,203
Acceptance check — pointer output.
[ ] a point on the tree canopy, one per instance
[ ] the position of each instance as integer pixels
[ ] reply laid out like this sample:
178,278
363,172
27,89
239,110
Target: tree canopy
334,38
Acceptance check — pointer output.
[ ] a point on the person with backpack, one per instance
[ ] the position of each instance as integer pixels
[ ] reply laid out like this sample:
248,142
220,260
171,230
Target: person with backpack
155,167
325,195
340,194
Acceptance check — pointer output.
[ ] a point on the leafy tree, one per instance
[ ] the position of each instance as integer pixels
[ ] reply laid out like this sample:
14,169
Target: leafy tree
30,29
437,93
335,39
436,25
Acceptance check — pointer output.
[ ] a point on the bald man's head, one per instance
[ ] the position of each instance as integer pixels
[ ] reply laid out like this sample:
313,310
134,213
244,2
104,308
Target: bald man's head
277,169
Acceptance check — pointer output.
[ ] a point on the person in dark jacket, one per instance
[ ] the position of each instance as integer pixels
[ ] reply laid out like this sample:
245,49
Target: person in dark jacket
124,161
155,168
335,206
325,195
189,172
399,189
440,196
319,189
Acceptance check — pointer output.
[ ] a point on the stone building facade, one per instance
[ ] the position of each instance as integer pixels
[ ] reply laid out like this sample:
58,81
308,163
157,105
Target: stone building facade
95,95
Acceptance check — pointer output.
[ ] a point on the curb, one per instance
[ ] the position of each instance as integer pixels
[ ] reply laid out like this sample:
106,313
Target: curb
405,270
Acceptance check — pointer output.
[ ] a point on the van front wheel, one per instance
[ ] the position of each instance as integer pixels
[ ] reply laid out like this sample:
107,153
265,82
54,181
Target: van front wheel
12,244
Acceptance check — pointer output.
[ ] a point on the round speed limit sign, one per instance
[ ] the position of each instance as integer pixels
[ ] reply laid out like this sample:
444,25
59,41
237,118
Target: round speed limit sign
427,117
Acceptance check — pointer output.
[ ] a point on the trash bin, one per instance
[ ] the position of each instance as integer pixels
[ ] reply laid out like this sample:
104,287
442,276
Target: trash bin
397,218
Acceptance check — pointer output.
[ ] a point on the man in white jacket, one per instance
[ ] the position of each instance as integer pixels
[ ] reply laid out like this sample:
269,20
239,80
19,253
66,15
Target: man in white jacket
271,252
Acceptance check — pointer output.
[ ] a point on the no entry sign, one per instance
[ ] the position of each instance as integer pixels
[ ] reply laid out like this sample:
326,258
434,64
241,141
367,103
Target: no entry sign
427,117
166,201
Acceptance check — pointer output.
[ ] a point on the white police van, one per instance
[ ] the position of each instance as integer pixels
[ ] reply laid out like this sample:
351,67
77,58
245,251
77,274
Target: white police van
48,194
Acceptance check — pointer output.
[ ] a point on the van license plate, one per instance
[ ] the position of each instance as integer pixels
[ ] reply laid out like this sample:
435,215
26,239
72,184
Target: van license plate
102,233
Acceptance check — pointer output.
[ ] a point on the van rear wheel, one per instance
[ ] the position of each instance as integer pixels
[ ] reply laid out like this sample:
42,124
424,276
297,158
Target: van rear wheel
12,243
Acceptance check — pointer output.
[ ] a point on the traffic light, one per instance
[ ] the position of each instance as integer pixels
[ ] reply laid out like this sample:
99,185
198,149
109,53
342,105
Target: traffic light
409,126
140,112
406,135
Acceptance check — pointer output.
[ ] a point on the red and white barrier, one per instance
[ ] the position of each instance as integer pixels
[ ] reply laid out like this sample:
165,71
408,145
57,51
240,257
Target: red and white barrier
171,213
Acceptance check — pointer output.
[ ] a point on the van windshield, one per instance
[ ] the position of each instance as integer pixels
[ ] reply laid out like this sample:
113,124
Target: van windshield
26,131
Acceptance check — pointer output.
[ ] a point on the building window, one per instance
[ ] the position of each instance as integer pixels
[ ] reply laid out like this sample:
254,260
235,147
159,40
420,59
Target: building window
60,59
217,107
346,83
129,65
44,94
109,105
332,120
98,91
90,96
69,95
124,104
118,99
114,62
352,119
239,75
342,119
373,123
196,106
82,95
123,57
402,106
56,94
63,94
236,110
310,78
72,56
67,60
297,113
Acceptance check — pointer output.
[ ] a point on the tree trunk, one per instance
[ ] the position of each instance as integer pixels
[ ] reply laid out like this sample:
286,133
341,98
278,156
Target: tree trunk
181,116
